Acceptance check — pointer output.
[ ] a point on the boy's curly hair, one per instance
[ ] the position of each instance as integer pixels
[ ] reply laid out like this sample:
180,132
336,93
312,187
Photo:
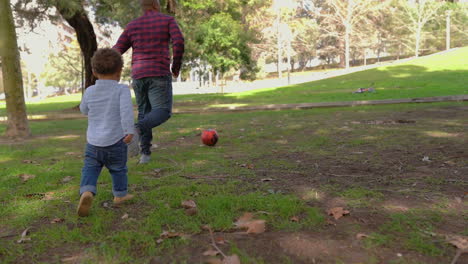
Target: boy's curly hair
106,61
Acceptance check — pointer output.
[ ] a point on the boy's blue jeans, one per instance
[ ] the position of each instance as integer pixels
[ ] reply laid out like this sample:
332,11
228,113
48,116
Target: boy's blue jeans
154,100
114,157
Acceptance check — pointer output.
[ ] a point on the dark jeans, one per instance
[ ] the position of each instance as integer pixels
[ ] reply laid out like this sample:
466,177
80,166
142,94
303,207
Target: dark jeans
154,100
114,158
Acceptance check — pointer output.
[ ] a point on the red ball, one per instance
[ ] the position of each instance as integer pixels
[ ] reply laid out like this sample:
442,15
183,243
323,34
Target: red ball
209,137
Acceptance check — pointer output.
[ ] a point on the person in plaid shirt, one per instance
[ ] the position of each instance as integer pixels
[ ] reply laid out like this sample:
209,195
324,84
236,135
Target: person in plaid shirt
150,37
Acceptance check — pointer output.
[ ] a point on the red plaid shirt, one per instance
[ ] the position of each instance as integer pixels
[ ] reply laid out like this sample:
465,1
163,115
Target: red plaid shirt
149,36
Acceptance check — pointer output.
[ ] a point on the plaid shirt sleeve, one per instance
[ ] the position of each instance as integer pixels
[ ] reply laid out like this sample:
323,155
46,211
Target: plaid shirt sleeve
124,43
178,46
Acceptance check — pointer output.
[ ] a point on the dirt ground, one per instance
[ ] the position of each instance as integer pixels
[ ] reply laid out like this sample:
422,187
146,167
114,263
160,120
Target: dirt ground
402,176
375,165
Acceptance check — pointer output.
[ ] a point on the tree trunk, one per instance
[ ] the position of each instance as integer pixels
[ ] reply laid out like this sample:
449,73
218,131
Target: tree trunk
17,124
418,40
280,59
448,31
365,57
86,38
347,48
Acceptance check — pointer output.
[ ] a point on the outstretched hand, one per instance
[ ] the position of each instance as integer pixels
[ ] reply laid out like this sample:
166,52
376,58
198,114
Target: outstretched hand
128,138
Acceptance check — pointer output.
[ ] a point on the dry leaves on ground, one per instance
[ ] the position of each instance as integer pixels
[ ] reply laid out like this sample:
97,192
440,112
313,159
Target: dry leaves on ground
190,207
29,161
360,236
26,177
168,234
125,216
211,253
189,204
253,226
67,179
294,219
461,242
234,259
48,196
57,220
337,212
24,236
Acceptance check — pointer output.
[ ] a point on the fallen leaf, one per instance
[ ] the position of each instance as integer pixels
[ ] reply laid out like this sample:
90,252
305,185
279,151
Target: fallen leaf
295,219
337,212
256,227
73,259
247,217
171,234
213,261
57,220
211,253
248,166
191,211
48,196
26,177
234,259
29,161
188,204
458,200
361,236
159,241
252,226
67,179
220,240
450,163
267,179
125,216
426,159
35,195
24,236
461,242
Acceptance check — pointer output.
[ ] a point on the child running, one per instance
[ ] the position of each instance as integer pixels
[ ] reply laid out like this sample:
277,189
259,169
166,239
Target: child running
108,105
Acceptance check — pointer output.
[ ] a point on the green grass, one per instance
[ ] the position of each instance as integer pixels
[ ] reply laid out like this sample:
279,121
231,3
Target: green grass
411,230
437,75
246,138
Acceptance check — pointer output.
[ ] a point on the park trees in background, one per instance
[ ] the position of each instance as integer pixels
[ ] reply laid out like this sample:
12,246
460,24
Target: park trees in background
64,69
72,11
418,13
17,124
343,18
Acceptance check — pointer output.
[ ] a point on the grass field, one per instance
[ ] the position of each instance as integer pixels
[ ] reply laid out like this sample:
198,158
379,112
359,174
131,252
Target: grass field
400,170
437,75
280,165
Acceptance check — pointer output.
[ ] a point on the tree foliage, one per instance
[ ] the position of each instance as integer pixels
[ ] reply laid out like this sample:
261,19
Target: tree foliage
63,69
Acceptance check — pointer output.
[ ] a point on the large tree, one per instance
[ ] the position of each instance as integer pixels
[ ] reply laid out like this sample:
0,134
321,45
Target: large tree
418,14
346,15
72,11
17,125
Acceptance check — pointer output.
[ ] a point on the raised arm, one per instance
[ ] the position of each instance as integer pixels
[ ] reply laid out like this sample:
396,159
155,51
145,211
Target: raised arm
178,47
124,43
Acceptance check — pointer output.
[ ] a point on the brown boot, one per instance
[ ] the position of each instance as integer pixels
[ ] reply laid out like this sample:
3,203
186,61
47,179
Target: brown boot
85,204
120,200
